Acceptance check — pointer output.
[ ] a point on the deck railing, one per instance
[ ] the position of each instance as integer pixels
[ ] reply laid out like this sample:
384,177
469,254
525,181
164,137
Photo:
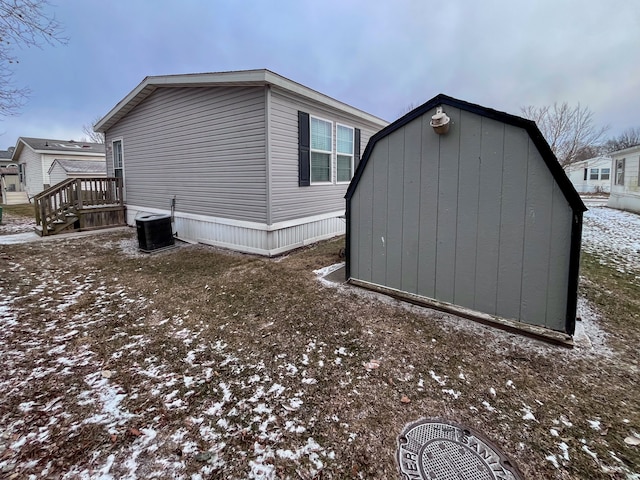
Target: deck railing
62,206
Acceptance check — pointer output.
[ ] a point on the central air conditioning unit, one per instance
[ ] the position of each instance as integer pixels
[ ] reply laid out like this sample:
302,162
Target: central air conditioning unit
154,232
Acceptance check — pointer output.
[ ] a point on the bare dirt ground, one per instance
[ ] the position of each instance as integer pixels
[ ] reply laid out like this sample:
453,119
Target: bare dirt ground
199,363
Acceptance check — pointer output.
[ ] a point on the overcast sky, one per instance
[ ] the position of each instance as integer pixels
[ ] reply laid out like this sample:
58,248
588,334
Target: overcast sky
379,56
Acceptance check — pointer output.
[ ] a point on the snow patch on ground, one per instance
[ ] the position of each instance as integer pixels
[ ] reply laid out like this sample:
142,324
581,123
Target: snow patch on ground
614,236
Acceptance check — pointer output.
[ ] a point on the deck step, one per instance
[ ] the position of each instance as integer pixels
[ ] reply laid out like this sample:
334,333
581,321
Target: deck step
15,198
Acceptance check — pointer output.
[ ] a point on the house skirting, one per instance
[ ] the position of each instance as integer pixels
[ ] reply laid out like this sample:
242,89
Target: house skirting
249,237
624,201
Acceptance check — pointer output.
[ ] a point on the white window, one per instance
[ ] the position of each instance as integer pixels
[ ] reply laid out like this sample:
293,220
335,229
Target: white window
595,173
605,173
620,171
321,149
344,151
118,160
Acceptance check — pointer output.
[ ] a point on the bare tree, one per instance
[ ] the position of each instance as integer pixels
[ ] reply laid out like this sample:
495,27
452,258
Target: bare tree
23,24
410,106
629,138
568,130
93,136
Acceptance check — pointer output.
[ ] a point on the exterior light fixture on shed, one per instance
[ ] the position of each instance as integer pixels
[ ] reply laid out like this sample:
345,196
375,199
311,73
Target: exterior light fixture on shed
440,122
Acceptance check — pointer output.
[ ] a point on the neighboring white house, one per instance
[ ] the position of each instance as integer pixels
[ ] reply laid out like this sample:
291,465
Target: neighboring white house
592,175
247,160
62,169
34,157
625,185
9,180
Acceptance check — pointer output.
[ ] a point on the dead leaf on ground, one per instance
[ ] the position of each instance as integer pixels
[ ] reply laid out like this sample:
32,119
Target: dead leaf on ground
135,431
372,364
114,437
634,441
405,399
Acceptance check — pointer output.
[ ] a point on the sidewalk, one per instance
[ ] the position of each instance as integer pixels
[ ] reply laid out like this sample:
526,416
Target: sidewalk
26,237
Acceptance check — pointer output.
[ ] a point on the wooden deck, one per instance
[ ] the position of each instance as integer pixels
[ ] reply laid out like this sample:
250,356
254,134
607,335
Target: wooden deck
80,204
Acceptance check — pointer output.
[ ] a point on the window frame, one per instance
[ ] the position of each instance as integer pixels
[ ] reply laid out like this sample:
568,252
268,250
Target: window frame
113,157
608,173
619,173
315,150
352,154
594,174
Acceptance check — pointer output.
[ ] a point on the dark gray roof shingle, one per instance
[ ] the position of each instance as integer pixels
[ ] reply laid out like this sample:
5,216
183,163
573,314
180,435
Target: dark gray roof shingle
63,145
81,166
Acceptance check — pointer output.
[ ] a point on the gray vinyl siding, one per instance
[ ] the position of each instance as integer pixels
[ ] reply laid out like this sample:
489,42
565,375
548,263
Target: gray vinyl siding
57,175
34,181
205,146
289,201
474,218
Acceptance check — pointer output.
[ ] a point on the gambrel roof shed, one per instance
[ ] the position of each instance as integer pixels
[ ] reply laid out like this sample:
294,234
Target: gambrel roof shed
481,220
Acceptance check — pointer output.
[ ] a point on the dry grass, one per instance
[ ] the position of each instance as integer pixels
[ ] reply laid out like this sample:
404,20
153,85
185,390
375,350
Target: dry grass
17,219
195,341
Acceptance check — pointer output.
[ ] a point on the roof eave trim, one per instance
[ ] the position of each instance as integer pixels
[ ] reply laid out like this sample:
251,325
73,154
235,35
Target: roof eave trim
255,77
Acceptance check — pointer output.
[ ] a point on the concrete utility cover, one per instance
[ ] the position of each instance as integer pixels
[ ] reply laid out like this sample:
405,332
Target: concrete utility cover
440,450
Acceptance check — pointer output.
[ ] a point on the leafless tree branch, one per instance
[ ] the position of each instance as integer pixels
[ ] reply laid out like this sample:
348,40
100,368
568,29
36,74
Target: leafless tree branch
23,24
629,138
570,131
93,136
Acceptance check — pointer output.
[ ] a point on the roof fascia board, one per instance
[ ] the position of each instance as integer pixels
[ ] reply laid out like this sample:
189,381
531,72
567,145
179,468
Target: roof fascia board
70,152
245,77
299,89
625,151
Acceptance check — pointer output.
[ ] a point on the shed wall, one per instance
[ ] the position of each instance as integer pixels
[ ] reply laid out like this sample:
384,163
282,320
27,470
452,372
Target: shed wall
57,174
472,218
205,146
48,159
289,201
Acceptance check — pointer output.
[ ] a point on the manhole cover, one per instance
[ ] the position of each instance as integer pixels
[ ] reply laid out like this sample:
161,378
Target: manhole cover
439,450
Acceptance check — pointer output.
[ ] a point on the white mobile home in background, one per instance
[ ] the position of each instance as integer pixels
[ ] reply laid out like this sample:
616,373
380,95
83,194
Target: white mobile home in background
592,175
625,184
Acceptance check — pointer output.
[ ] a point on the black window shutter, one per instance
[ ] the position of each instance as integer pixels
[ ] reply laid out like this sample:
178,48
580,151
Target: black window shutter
356,148
303,149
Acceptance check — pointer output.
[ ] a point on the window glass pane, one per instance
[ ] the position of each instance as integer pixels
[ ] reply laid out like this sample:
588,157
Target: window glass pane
117,154
320,167
620,172
604,173
345,140
344,168
594,174
320,135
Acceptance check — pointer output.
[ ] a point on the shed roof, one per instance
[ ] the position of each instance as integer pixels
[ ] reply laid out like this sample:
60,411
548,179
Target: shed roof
254,78
567,188
80,166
